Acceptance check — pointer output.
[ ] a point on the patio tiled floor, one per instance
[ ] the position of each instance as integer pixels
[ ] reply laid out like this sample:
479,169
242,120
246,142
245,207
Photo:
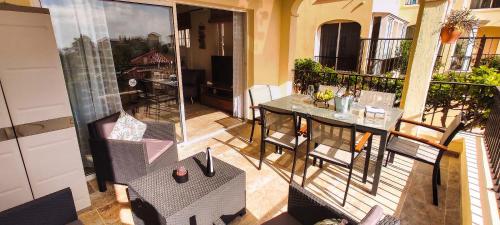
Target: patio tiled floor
405,189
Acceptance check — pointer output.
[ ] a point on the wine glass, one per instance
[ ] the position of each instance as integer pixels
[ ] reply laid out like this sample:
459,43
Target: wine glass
310,90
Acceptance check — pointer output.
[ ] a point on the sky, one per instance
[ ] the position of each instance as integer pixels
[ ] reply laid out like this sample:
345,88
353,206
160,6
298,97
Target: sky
101,19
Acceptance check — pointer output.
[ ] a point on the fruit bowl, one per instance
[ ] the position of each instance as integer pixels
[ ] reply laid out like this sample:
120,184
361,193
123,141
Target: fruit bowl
323,97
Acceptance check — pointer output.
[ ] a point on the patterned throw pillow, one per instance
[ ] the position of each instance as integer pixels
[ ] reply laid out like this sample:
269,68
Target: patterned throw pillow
127,128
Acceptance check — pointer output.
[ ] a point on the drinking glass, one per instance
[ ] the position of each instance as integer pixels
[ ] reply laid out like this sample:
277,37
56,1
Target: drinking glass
310,90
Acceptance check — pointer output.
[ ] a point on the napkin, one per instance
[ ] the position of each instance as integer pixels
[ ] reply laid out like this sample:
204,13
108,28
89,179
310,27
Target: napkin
374,110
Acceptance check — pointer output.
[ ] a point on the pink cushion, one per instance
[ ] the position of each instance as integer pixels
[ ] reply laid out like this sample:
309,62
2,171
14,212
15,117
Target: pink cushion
107,128
155,148
373,216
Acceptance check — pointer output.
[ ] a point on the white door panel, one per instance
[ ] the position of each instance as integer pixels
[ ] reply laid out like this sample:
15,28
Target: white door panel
14,187
35,94
4,114
30,38
30,68
54,165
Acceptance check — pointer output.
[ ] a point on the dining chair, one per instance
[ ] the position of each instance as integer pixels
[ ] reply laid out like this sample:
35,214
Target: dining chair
410,146
258,95
377,98
158,98
280,128
335,142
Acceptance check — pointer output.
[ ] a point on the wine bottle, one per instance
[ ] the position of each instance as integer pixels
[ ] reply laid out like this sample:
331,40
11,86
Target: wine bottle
210,172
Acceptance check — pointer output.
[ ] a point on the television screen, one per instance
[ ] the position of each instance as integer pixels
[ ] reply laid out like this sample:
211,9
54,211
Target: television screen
222,70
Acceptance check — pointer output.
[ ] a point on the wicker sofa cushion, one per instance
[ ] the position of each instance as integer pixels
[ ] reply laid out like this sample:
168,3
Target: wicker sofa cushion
128,128
155,148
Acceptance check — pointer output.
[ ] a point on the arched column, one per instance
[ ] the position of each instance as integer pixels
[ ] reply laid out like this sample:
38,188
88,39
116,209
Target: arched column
423,54
287,45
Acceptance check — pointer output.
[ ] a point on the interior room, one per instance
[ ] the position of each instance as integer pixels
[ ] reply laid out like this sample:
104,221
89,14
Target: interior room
206,58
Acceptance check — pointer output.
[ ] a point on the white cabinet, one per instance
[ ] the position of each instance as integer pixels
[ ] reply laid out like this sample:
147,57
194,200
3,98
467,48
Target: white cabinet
14,186
43,156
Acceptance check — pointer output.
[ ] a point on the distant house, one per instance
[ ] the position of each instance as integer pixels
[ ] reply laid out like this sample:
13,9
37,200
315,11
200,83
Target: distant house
152,64
152,57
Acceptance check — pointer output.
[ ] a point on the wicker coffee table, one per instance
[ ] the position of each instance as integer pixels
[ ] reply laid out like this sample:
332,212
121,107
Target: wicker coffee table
157,198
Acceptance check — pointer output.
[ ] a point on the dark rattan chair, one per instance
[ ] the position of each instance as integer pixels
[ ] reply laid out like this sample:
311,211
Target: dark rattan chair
410,146
258,95
281,129
53,209
121,161
307,209
335,142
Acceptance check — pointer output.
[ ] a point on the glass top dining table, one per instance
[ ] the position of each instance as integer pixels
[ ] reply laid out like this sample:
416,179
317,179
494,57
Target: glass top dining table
378,125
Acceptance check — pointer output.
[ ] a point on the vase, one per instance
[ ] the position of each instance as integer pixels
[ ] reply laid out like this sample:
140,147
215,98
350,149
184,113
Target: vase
342,104
449,35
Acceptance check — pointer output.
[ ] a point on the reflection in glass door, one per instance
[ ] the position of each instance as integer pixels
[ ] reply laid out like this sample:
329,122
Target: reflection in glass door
142,41
117,55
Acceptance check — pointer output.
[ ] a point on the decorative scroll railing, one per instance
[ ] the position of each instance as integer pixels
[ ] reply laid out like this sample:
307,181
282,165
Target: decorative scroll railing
444,99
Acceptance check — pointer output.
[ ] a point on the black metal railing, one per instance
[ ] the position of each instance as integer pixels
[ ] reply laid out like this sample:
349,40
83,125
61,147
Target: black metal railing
379,56
492,139
384,55
352,81
339,63
484,4
460,58
444,99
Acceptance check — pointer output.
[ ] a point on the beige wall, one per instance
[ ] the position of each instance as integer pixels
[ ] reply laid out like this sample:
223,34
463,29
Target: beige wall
19,2
311,15
408,13
491,46
197,58
488,17
263,38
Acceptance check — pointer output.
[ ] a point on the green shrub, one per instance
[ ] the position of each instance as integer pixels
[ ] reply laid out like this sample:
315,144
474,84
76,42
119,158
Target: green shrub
485,75
307,64
492,62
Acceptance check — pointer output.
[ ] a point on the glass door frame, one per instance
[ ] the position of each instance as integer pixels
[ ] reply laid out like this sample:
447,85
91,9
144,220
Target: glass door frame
172,4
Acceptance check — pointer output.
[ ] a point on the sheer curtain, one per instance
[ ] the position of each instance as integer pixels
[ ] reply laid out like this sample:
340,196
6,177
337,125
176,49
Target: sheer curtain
85,49
239,64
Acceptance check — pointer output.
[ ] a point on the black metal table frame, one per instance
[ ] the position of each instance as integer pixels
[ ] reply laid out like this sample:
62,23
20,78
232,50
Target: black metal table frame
384,135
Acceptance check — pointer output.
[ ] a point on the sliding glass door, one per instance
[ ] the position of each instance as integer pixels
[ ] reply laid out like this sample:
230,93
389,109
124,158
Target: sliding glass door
118,55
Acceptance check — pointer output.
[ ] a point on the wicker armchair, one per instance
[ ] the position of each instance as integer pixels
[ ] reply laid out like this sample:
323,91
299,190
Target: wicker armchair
306,209
53,209
122,161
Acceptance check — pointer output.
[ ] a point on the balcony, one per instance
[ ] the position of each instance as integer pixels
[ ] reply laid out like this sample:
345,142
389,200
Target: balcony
259,155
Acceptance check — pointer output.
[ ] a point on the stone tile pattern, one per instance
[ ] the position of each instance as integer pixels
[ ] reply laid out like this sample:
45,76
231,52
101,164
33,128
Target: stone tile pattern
405,190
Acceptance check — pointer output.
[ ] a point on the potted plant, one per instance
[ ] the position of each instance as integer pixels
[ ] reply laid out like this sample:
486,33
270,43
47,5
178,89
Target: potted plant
457,22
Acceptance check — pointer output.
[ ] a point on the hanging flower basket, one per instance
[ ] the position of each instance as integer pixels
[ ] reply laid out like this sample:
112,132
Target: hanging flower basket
457,22
450,35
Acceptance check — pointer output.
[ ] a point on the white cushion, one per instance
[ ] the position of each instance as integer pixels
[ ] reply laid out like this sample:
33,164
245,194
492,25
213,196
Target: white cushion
127,128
